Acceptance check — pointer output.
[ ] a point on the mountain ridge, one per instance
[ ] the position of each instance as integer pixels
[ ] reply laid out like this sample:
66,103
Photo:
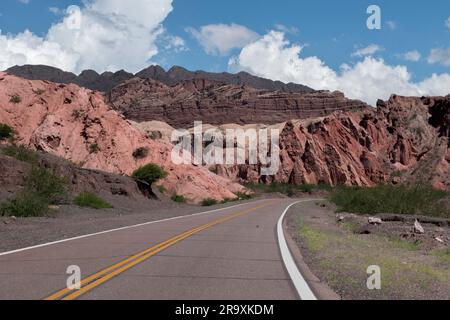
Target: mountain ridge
106,81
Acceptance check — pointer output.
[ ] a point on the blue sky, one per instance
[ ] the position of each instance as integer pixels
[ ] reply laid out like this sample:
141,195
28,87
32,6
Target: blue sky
332,31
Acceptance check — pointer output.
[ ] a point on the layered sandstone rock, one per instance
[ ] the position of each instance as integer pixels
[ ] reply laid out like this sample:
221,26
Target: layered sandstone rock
212,102
76,124
405,140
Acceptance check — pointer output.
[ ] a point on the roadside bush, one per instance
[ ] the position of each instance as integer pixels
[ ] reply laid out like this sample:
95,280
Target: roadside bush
47,185
21,153
209,202
90,200
6,132
25,204
149,174
179,199
399,199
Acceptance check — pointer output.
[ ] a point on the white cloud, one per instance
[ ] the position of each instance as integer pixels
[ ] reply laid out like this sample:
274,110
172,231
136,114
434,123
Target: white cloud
103,35
24,1
276,58
440,55
286,29
413,55
220,39
391,25
447,22
367,51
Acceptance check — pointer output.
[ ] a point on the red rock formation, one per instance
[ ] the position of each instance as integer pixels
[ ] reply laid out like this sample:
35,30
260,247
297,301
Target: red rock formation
405,139
215,103
76,124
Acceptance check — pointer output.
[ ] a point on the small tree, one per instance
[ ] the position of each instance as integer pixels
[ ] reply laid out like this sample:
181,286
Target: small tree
149,174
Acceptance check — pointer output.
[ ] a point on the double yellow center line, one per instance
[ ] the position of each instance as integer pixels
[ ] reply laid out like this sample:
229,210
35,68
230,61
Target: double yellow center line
108,273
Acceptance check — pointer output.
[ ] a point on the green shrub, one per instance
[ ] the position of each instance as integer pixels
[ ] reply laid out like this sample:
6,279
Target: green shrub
149,174
21,153
93,148
140,153
90,200
399,199
6,132
47,185
209,202
15,99
306,188
179,199
25,204
162,189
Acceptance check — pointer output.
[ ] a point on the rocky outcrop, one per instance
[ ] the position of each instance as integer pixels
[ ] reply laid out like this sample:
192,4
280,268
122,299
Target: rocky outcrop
404,140
76,124
216,103
14,173
108,80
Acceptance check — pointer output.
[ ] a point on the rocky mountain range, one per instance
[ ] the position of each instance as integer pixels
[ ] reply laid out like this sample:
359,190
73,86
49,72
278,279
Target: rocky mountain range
106,81
325,138
214,102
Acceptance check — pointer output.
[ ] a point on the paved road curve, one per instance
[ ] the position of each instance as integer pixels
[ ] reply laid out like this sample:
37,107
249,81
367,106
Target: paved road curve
228,254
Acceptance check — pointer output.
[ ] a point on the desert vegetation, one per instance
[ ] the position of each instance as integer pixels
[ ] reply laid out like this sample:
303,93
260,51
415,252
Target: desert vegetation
6,132
42,189
178,199
15,99
140,153
397,199
209,202
149,174
91,200
286,188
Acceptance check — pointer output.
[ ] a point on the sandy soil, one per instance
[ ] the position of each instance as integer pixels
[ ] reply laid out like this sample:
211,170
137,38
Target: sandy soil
339,254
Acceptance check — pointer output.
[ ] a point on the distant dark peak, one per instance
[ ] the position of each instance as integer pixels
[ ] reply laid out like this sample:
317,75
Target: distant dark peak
106,81
41,72
88,75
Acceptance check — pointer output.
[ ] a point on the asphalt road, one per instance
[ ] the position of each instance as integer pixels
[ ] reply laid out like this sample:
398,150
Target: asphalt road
231,254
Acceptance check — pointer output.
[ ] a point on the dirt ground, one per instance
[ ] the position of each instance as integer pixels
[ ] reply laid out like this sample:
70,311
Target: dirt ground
339,250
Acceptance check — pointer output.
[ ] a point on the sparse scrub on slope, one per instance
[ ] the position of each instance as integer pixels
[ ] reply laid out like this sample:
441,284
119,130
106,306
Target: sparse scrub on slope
90,200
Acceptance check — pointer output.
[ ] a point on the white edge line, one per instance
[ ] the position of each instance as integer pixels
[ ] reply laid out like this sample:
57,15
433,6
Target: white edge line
300,284
123,228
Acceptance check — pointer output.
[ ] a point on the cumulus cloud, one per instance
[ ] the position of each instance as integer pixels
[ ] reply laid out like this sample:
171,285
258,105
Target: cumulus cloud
440,55
102,35
274,57
413,55
220,39
367,51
